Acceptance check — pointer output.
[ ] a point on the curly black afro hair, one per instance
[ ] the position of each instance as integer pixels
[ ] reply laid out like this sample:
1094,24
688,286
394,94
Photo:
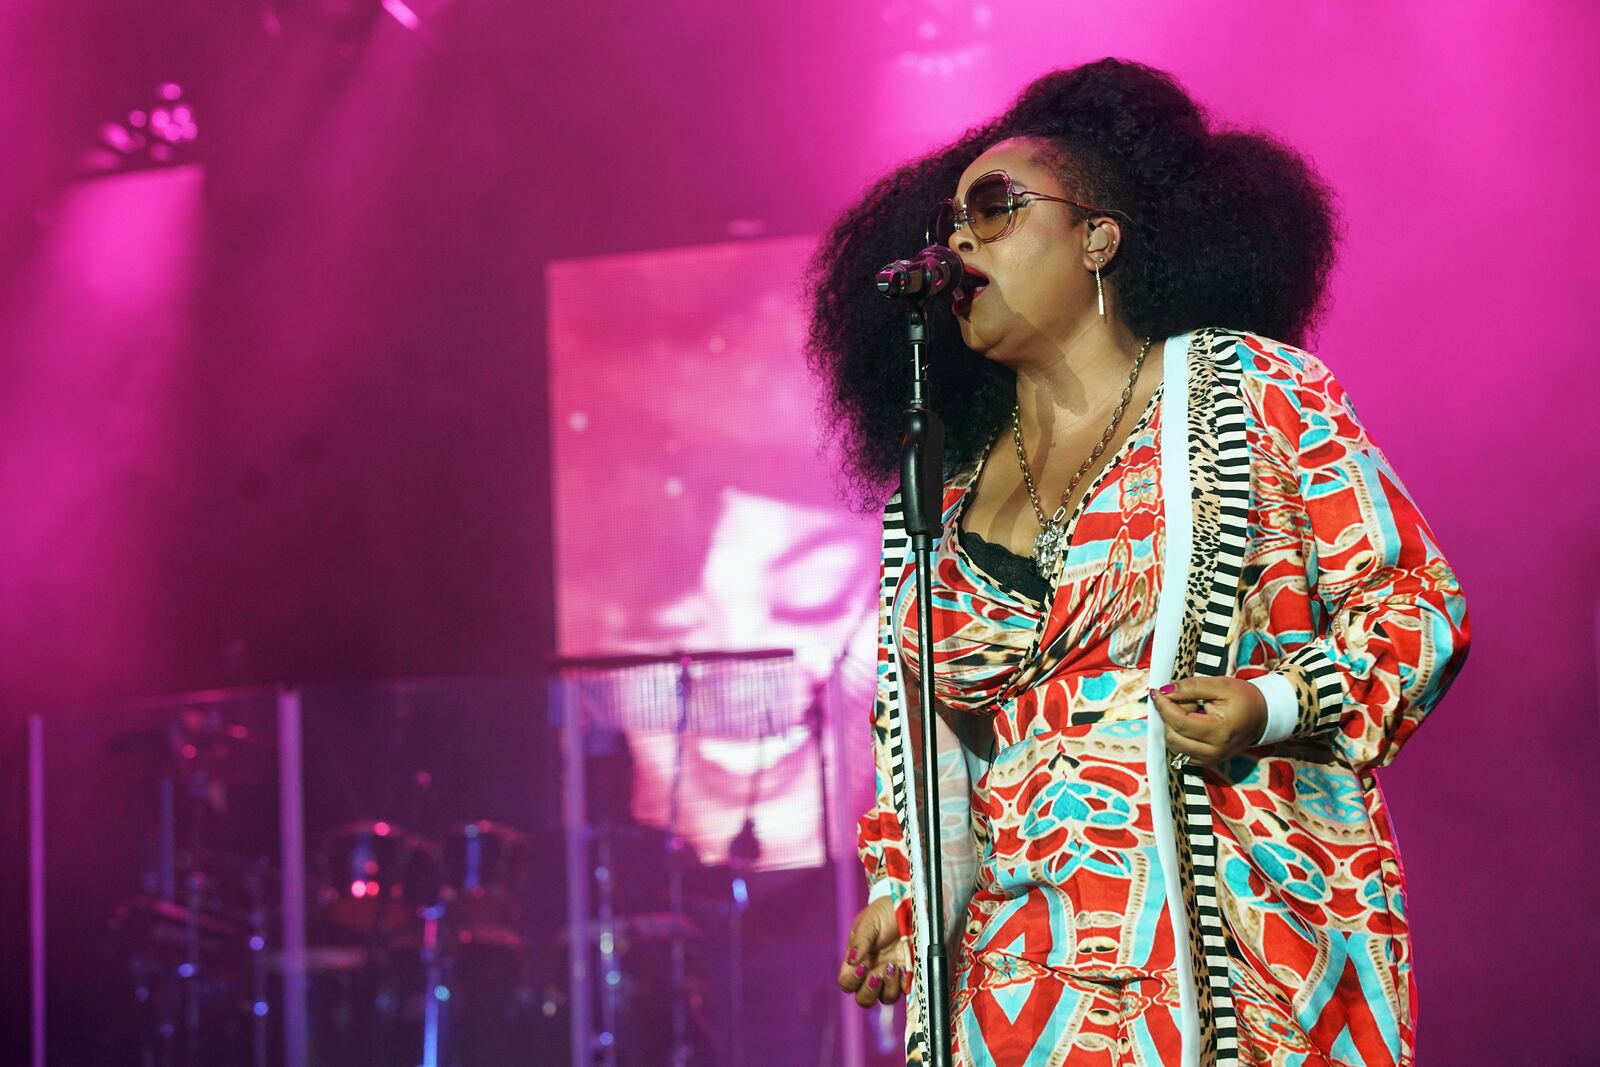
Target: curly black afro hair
1229,229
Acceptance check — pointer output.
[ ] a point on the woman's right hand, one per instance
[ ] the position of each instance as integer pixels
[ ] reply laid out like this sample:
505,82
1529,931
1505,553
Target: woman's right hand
877,957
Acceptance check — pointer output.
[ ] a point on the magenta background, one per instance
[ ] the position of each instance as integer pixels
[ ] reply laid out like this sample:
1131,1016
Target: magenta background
286,421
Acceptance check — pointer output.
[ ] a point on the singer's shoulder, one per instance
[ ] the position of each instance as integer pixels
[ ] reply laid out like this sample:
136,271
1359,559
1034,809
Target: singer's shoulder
1260,360
1285,388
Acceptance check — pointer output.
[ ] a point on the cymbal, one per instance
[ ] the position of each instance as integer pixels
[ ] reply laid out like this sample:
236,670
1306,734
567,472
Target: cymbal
229,752
165,914
325,959
642,926
455,937
219,863
655,659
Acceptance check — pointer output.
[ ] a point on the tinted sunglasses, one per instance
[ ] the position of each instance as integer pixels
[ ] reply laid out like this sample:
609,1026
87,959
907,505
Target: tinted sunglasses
990,210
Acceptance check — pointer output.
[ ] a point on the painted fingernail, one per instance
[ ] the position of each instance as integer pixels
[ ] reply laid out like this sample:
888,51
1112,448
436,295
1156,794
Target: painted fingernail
874,982
1168,689
891,970
852,957
861,971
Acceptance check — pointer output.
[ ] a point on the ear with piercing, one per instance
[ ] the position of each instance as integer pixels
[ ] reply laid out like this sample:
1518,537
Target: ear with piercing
1099,262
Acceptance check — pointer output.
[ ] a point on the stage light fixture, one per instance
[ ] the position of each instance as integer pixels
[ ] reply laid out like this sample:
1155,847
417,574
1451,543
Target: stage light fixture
347,21
402,13
350,21
943,38
158,132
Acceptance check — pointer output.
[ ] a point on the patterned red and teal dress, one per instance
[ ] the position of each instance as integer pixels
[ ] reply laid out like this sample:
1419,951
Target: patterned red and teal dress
1251,913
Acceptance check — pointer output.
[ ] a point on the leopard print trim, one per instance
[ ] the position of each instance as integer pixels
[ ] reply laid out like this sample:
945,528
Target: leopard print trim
1219,471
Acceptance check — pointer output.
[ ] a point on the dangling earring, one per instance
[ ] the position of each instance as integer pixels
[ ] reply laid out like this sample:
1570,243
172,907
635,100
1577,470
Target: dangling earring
1099,290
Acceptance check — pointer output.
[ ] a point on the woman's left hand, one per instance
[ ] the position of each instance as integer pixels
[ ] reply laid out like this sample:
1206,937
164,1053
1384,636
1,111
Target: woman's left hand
1211,719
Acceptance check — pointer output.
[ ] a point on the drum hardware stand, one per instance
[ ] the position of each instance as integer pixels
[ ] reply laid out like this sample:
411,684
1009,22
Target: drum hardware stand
574,817
258,968
814,723
167,876
605,883
190,971
166,880
189,975
386,1000
743,852
674,854
435,1013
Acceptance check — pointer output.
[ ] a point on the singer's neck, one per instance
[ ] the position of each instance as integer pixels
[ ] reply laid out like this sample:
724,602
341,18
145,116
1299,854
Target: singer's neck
1080,377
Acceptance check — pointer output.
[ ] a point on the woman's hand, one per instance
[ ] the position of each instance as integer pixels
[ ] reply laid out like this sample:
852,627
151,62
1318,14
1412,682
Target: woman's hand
1211,720
875,962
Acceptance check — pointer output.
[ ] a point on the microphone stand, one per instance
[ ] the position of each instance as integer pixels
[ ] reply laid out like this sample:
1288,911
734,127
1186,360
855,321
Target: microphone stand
921,496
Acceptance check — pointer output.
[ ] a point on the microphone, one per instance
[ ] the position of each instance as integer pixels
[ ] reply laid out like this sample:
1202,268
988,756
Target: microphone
930,272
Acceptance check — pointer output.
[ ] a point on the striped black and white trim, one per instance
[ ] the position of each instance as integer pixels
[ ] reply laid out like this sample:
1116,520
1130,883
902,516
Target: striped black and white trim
896,550
1211,658
1321,687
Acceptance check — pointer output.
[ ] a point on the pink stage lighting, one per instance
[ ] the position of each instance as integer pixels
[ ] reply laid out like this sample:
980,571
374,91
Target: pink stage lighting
148,136
402,13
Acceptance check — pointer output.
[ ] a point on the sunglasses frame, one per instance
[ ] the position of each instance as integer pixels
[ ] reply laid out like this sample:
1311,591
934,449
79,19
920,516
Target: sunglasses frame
1015,199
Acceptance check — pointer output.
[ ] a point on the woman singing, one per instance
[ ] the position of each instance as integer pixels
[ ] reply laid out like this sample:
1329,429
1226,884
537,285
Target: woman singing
1183,607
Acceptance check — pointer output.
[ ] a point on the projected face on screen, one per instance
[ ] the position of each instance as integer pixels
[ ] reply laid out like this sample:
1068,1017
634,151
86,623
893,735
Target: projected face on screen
795,575
697,510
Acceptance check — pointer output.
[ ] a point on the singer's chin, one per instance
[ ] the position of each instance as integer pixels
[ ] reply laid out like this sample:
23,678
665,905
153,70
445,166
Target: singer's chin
970,337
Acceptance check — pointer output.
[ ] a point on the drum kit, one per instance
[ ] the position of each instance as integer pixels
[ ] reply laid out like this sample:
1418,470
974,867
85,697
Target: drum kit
437,927
416,948
409,932
379,878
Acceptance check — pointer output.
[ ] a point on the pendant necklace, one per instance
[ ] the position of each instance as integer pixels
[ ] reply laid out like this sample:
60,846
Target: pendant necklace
1051,543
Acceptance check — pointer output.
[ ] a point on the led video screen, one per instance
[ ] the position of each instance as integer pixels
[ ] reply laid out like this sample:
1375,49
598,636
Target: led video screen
697,510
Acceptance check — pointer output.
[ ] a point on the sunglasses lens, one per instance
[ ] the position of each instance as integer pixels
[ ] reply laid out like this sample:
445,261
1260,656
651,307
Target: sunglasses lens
942,224
989,207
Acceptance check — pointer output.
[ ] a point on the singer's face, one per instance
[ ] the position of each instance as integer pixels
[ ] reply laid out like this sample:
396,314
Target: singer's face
1038,292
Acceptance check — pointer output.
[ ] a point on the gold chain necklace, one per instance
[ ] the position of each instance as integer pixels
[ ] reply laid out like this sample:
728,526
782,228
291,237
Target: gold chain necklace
1051,543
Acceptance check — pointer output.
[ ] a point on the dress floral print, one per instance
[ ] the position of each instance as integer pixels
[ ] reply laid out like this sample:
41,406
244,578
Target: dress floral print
1109,911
